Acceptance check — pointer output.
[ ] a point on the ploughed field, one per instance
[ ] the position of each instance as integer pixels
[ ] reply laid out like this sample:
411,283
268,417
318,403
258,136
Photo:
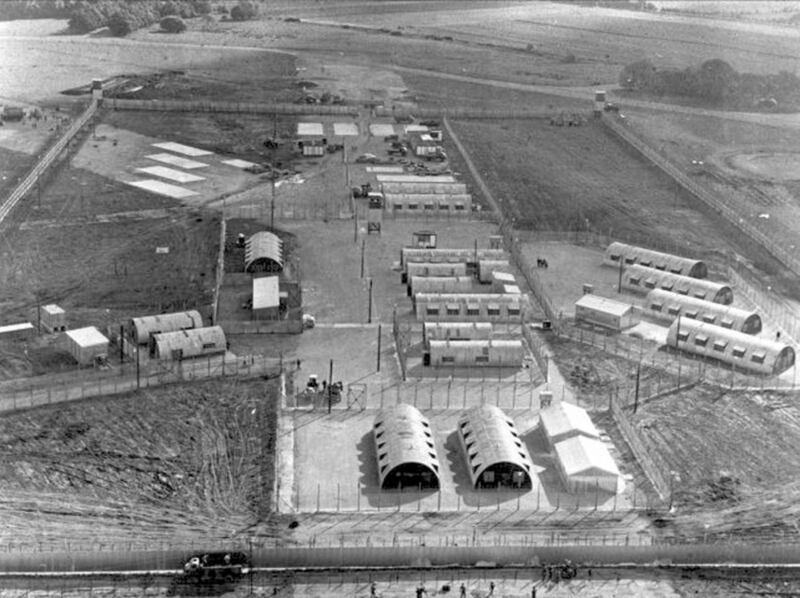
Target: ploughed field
179,464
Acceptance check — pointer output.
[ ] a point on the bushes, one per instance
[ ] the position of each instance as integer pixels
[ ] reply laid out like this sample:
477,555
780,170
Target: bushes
120,24
714,81
244,11
124,16
172,24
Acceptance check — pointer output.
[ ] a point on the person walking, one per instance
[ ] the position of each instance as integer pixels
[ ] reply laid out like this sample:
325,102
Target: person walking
463,591
491,588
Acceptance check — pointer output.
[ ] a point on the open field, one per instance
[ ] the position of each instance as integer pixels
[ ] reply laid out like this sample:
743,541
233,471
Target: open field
179,464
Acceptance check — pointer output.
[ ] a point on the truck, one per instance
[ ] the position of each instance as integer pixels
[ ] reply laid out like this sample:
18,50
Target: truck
216,567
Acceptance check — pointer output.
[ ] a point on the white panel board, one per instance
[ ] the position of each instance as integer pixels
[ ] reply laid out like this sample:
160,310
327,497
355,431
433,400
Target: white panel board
265,292
386,169
174,160
345,129
381,130
415,178
416,129
179,148
310,129
170,173
236,163
162,188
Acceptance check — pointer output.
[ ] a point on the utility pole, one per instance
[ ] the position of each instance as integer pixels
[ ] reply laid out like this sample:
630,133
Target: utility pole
379,347
363,248
330,382
272,170
369,306
636,394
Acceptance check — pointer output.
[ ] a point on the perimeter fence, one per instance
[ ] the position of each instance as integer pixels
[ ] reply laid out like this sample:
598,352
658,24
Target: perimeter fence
228,107
734,214
419,554
81,384
49,157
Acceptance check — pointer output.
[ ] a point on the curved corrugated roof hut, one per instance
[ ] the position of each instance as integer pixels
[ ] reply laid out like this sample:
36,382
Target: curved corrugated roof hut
668,305
641,279
405,449
495,453
263,252
654,259
184,344
143,328
737,349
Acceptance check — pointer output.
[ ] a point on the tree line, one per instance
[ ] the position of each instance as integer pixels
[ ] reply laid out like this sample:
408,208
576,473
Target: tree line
715,82
122,16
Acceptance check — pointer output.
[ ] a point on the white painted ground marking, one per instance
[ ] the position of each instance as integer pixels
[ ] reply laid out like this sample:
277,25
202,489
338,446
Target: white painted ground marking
170,173
310,129
386,169
162,188
381,130
345,129
179,148
416,129
174,160
236,163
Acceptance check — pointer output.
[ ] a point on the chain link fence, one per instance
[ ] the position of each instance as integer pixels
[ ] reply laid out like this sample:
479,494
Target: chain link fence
48,390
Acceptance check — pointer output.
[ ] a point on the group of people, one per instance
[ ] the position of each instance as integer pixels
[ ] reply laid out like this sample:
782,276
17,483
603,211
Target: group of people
541,263
420,590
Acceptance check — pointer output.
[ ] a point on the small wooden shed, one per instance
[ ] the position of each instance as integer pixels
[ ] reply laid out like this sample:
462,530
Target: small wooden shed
53,318
87,345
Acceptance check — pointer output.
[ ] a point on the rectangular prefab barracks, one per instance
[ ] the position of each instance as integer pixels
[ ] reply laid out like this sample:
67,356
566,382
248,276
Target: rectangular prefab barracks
604,312
474,353
479,307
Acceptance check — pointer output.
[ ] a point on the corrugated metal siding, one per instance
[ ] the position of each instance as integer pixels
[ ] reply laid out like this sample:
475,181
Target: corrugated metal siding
654,259
263,252
144,327
189,343
489,437
403,436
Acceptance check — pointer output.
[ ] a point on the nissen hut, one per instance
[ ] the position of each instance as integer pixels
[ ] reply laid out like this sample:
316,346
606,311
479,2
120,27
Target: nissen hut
641,279
630,254
666,305
496,456
185,344
405,449
737,349
143,328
